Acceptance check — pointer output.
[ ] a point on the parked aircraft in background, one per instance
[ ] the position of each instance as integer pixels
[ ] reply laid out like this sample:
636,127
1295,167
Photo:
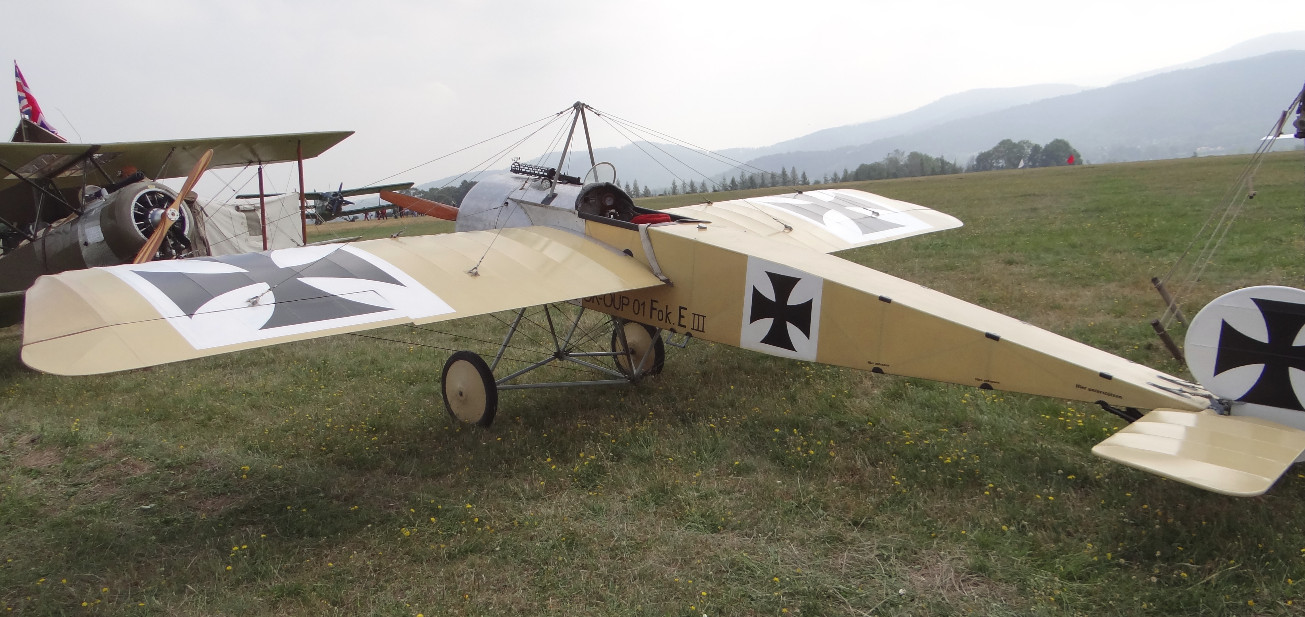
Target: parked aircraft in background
328,205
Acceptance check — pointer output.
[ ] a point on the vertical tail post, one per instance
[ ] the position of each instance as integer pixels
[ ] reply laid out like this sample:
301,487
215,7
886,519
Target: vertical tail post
1168,341
1171,307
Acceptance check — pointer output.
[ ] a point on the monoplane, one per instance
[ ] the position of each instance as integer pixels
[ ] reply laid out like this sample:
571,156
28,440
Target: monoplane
756,273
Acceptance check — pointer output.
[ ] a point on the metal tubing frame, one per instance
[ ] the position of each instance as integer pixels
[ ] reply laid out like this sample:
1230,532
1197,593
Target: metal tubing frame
562,353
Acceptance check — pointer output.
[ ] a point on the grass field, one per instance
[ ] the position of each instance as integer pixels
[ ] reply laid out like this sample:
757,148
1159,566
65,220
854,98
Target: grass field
325,477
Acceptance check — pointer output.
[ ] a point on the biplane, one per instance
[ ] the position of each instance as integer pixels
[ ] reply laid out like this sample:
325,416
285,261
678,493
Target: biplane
66,206
329,205
756,273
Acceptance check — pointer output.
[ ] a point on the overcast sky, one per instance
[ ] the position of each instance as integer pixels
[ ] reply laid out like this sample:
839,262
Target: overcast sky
419,79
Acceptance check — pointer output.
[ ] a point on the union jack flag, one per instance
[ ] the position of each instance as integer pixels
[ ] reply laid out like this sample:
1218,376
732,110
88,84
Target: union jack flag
27,105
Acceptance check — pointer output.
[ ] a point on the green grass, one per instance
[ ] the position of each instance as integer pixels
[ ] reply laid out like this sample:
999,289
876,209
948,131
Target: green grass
325,477
369,230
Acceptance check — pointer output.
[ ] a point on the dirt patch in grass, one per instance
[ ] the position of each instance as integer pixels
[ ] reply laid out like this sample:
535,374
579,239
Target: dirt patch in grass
212,506
44,458
942,578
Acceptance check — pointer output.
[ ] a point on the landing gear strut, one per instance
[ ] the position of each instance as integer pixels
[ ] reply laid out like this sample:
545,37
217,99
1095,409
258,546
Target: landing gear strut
471,391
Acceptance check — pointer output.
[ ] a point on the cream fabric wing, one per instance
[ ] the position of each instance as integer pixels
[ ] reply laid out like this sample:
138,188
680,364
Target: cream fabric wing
123,317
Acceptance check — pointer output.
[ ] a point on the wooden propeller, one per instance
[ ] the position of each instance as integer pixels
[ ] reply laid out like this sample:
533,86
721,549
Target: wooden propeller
173,212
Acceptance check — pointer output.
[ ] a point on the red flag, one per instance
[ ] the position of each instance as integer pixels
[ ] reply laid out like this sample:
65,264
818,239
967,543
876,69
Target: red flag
1070,161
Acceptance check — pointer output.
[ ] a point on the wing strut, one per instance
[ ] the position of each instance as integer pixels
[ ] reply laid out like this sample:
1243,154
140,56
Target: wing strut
43,190
262,207
588,142
166,160
70,163
579,108
303,201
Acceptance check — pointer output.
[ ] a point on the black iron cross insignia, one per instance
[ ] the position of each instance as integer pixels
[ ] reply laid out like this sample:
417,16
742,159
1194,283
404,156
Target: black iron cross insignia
866,223
297,302
780,311
1284,321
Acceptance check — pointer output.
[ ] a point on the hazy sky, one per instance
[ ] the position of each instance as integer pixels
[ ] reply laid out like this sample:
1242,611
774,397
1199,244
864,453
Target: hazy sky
419,79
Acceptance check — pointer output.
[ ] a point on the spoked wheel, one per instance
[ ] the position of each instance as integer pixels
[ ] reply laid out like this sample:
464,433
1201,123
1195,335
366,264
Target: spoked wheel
470,393
640,340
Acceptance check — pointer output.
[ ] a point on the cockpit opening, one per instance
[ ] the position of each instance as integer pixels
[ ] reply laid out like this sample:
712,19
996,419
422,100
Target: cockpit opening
606,200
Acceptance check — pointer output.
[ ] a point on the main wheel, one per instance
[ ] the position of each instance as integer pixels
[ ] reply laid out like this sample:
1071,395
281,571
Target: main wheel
640,340
470,393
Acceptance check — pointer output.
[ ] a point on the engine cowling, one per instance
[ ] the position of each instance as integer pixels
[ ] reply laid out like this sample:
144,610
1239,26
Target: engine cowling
110,231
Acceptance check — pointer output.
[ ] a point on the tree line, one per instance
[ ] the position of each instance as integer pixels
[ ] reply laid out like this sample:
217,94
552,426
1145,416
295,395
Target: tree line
736,182
447,195
1007,154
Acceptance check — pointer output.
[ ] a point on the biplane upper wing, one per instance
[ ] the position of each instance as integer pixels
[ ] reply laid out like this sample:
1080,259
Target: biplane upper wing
825,220
156,159
122,317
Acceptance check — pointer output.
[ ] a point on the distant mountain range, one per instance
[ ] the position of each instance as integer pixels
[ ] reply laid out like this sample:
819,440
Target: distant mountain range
1282,41
1216,109
1220,104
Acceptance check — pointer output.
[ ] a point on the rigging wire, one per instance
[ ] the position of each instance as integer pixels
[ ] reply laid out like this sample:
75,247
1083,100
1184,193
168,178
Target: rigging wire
636,144
631,127
716,156
465,148
557,139
1220,221
622,130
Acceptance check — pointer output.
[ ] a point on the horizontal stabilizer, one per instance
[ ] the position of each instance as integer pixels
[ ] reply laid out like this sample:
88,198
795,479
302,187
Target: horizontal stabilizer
1233,455
826,220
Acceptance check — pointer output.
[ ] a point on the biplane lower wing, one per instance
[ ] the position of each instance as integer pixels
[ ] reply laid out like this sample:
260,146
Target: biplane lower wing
123,317
1233,455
